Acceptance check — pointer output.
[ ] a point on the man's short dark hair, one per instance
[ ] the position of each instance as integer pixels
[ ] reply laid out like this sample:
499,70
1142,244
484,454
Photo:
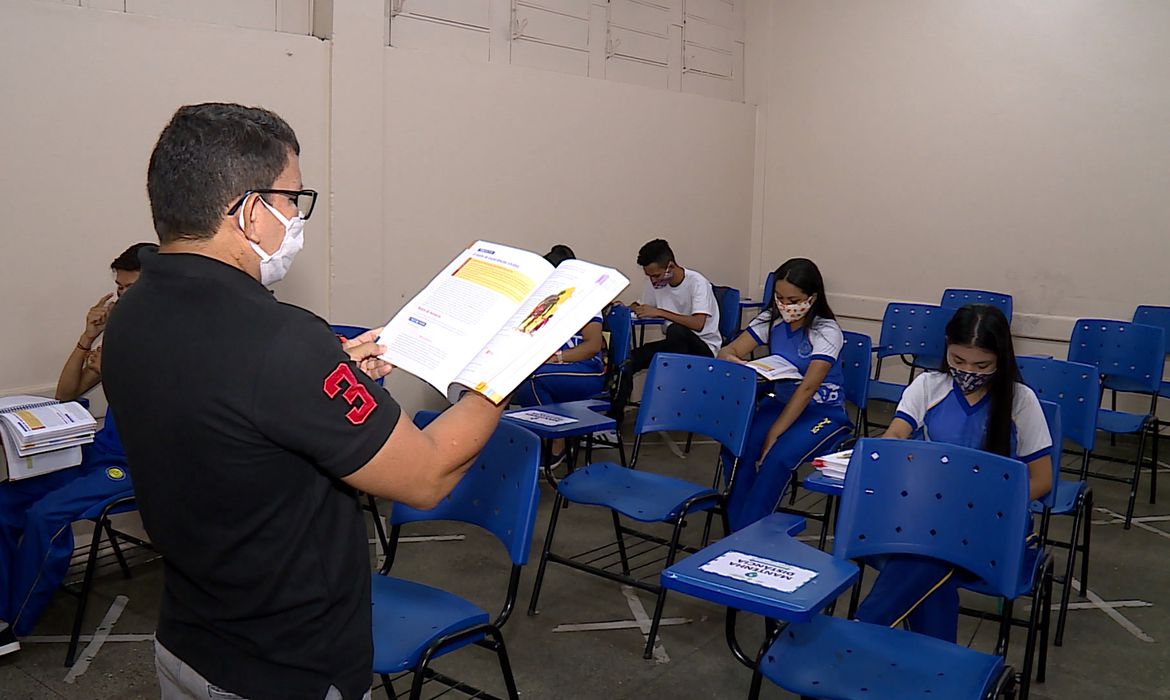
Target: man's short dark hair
207,156
128,261
656,251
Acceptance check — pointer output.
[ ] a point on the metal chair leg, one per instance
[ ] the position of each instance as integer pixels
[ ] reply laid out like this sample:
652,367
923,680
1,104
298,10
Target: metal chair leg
552,528
1088,534
505,665
660,603
86,586
1070,566
621,542
1137,473
388,686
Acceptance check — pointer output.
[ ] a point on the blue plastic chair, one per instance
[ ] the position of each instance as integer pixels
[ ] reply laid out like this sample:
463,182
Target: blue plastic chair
728,300
415,623
1036,577
1076,389
856,360
954,504
769,287
1157,316
914,331
100,514
1129,358
709,397
958,298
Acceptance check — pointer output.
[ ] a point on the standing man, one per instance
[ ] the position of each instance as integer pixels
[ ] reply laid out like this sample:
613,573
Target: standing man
248,428
685,299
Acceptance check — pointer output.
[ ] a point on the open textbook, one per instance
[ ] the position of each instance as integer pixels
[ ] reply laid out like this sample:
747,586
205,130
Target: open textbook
492,316
775,367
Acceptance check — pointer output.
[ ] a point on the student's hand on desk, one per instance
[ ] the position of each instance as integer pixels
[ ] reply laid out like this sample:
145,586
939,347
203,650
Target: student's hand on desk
365,352
644,311
95,319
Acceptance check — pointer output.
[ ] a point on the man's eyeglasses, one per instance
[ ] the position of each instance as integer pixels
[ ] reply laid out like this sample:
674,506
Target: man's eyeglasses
303,200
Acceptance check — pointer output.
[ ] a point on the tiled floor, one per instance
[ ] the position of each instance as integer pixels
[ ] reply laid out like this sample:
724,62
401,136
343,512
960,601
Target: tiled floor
1109,652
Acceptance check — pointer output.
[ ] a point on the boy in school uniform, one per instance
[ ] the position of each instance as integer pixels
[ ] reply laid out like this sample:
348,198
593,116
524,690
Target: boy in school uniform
684,299
36,515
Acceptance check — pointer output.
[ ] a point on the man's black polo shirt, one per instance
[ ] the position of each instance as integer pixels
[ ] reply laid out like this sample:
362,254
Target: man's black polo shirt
239,415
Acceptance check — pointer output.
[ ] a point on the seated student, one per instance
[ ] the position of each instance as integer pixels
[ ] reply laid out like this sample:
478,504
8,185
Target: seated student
979,401
685,299
36,514
577,370
796,421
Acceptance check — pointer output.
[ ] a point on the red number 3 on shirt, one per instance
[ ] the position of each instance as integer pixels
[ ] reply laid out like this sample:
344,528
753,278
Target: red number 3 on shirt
356,395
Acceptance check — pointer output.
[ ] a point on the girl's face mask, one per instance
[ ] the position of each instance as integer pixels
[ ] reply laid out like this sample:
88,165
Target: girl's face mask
791,313
971,381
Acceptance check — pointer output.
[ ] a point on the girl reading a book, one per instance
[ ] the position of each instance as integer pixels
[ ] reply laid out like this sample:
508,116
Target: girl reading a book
796,420
976,400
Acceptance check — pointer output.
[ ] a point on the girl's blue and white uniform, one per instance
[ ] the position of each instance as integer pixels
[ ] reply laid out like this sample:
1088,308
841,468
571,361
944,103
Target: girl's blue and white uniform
569,381
924,592
818,429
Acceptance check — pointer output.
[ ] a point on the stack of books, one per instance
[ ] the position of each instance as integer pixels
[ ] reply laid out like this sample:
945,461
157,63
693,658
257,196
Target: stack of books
42,435
835,465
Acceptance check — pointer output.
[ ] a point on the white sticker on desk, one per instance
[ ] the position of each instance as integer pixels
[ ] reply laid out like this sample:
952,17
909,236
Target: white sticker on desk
542,418
768,573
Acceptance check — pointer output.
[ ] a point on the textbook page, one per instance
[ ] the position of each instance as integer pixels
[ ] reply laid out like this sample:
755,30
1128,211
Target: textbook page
774,367
564,303
445,325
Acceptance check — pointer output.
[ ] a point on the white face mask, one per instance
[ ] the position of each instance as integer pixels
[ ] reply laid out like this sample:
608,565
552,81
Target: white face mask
274,267
791,313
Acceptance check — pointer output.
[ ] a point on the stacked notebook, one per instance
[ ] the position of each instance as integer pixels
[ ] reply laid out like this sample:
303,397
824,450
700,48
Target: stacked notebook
834,465
41,435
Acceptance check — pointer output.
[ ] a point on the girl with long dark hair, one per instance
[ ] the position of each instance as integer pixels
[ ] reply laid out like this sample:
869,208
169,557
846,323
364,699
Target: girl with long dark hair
977,400
796,420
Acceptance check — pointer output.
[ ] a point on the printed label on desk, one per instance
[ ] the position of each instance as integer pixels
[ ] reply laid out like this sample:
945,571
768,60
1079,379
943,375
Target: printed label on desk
542,418
768,573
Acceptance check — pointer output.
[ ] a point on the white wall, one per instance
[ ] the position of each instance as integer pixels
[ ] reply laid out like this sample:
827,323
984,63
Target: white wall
86,93
416,154
909,145
531,158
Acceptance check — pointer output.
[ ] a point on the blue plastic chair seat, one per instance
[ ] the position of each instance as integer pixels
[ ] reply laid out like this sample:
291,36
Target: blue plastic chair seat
820,483
95,510
1120,421
885,391
840,659
408,616
643,496
1164,390
1027,581
1067,492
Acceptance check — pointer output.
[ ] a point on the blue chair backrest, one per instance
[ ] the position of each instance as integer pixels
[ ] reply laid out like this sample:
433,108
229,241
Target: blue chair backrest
955,504
1073,386
856,358
958,298
499,492
769,288
620,324
1052,417
728,300
347,331
1155,316
914,329
1129,356
714,398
